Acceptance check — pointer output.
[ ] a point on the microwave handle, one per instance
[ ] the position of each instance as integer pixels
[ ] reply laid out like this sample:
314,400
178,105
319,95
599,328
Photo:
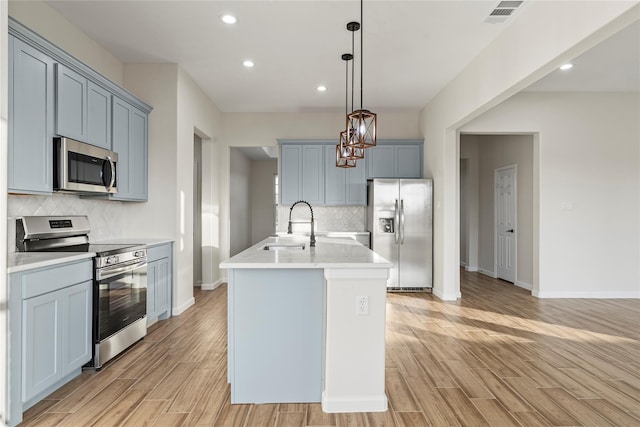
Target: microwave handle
113,173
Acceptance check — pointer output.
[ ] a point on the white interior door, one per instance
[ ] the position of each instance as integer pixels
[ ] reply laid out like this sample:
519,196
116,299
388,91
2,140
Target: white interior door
505,228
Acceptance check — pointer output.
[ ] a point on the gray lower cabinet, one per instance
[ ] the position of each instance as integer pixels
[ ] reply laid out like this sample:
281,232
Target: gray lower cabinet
130,141
159,280
50,317
31,103
394,161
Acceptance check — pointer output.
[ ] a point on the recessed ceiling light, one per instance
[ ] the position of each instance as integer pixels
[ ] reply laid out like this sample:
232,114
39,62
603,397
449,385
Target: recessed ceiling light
566,66
228,19
248,63
321,88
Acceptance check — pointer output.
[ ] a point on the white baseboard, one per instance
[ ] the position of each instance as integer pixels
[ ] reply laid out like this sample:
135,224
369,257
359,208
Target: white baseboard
488,273
592,295
523,285
177,311
463,264
212,286
444,297
471,269
354,404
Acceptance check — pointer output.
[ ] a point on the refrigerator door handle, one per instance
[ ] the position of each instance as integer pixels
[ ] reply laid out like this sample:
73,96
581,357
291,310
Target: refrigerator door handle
396,225
402,221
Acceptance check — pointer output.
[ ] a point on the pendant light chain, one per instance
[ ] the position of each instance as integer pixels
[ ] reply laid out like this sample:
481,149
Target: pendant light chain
361,51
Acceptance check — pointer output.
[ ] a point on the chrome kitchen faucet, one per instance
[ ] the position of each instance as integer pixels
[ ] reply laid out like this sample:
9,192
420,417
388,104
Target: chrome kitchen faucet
312,242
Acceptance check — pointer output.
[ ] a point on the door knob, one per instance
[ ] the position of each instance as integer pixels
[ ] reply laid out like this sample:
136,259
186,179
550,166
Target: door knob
510,231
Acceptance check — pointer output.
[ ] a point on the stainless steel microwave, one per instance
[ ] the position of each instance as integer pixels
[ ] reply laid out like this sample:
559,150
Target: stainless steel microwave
84,168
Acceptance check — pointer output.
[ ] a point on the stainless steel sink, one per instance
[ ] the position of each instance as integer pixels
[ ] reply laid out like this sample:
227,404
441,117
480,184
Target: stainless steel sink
284,247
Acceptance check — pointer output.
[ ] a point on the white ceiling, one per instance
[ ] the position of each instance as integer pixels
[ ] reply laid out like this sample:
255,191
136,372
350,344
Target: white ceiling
611,66
412,49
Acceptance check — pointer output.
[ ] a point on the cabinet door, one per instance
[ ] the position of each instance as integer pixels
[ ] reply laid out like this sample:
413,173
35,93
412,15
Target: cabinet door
335,178
163,286
129,140
290,174
71,104
77,320
152,278
31,102
408,161
99,116
41,343
356,184
313,174
380,161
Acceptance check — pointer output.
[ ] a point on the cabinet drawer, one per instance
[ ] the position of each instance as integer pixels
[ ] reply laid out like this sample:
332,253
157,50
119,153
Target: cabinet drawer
158,252
50,279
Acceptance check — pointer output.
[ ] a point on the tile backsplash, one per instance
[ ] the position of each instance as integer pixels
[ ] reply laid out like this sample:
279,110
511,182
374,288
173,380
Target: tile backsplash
327,218
105,216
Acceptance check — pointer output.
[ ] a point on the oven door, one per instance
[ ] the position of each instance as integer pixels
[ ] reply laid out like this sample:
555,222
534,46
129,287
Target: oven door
122,297
81,167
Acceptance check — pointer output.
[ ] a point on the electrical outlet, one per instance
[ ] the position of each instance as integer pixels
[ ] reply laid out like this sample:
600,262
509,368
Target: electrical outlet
362,305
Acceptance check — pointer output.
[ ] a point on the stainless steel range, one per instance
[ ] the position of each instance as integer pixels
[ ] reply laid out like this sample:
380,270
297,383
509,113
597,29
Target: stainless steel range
119,279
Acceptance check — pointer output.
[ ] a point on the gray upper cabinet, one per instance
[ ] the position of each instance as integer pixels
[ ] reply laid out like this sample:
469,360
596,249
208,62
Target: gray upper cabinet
52,93
395,160
99,116
302,174
31,103
129,140
343,186
335,179
83,109
71,104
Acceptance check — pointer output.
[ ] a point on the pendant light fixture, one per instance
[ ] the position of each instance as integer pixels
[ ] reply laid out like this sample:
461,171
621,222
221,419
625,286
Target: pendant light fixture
362,121
344,152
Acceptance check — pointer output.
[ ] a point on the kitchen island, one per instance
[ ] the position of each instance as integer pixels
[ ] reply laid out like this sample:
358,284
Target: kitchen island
307,324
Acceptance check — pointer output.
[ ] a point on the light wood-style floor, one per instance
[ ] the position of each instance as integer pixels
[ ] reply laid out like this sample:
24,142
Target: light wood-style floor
497,357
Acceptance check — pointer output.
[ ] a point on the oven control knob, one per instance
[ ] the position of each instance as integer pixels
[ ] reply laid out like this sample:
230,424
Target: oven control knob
112,260
138,254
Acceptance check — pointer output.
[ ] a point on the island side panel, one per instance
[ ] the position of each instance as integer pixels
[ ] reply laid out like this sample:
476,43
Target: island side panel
276,323
354,378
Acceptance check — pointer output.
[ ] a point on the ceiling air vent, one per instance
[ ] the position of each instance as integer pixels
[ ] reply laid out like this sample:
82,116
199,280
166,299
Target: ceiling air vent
503,11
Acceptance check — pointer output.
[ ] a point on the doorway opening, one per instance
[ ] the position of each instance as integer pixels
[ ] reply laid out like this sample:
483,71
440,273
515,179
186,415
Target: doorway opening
252,188
487,244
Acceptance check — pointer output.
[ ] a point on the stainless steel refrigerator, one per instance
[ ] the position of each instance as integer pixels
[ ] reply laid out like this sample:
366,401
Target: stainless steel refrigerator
400,220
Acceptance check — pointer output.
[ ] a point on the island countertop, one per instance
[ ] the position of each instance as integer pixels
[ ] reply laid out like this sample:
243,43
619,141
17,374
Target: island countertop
328,253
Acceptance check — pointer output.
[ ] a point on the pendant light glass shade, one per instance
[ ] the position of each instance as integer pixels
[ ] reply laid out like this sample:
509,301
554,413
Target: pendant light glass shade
344,153
363,123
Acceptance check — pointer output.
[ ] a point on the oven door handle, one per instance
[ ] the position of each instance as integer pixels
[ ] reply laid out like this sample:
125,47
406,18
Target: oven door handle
108,272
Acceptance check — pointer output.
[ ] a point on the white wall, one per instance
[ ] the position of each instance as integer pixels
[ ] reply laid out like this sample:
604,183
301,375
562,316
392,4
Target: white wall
240,202
262,201
520,55
492,152
589,181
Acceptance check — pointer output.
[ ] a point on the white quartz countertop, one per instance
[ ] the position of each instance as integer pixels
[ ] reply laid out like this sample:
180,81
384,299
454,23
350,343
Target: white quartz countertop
328,253
22,261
